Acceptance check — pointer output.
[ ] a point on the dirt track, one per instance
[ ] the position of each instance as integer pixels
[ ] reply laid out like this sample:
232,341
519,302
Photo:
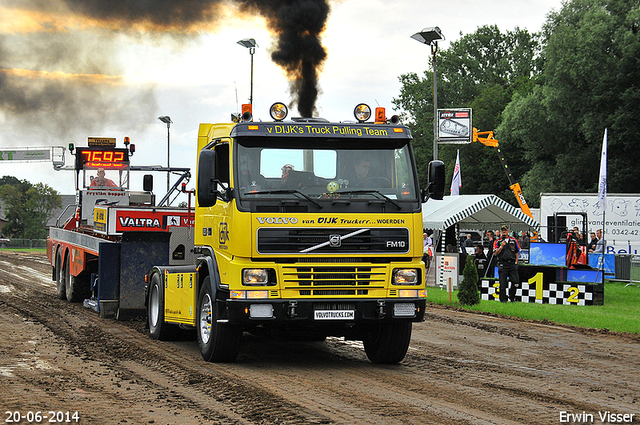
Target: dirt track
461,368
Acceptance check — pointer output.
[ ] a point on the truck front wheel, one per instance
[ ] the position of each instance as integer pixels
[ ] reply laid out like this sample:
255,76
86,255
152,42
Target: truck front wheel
219,342
387,343
158,329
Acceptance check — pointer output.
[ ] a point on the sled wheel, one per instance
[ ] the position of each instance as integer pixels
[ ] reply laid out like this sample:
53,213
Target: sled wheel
158,328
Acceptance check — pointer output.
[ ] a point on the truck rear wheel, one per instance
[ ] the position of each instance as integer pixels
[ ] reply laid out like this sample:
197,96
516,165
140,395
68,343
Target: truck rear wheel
387,343
60,285
219,342
158,329
73,286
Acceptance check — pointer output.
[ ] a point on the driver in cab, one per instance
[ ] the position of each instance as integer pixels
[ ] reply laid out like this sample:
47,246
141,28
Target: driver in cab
361,172
101,180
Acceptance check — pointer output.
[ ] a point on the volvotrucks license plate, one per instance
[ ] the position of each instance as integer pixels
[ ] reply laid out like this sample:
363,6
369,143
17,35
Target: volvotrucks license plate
335,314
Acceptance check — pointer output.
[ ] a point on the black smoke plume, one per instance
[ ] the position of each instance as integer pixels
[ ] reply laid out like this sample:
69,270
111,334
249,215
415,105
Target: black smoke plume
299,52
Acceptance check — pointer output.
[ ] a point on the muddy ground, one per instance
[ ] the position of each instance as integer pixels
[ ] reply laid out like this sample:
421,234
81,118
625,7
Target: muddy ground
462,368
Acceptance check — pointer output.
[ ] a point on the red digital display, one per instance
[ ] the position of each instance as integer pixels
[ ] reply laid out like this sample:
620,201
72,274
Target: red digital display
107,158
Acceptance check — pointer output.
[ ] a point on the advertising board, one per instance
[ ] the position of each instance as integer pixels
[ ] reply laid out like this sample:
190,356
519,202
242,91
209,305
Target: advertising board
455,126
622,217
447,266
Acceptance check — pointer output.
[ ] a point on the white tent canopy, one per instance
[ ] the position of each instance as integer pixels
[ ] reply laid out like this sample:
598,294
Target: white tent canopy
474,212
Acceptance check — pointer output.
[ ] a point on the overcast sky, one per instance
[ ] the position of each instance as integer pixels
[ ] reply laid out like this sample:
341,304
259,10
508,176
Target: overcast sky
65,77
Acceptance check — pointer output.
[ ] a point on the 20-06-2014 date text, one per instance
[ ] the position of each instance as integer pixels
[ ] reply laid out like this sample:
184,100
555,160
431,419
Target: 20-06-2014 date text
50,416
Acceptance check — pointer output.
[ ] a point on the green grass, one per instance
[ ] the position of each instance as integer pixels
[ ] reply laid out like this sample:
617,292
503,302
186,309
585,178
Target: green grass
620,312
42,250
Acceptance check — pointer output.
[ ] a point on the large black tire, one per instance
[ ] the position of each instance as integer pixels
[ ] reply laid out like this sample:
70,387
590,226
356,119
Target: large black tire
387,343
74,287
158,329
219,342
60,286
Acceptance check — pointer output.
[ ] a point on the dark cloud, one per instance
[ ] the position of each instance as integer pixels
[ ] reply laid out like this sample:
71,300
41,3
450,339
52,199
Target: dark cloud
74,101
60,84
170,14
59,108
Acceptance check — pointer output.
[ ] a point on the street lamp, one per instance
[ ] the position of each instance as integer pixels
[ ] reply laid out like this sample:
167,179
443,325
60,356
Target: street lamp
251,44
431,36
165,119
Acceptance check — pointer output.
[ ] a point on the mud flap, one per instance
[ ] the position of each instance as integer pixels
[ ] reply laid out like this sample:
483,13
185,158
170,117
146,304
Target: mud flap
108,279
140,251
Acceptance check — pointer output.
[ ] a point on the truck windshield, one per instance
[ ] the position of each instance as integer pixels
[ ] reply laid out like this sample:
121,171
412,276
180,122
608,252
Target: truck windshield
325,172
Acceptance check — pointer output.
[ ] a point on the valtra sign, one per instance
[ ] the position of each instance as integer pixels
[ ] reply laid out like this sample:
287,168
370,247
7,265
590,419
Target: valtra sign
149,221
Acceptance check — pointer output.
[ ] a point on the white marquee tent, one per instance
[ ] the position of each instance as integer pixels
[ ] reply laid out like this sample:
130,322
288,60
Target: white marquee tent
475,212
470,212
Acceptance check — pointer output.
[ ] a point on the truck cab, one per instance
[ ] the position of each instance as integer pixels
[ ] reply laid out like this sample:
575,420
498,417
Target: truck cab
303,228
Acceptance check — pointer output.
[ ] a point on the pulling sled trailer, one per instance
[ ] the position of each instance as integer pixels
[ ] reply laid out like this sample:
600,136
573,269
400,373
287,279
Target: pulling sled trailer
100,255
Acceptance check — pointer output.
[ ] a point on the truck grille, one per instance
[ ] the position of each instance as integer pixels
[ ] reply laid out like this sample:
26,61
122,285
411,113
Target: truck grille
334,281
333,241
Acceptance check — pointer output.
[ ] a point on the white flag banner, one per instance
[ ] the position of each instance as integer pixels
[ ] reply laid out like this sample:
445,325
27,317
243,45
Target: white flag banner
456,183
602,185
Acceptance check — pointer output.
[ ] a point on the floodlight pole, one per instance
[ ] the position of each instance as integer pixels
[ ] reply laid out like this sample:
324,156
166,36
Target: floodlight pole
434,49
167,120
252,50
431,36
250,44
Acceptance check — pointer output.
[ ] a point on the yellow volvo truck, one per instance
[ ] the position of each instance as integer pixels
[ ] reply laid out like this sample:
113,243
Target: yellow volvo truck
305,229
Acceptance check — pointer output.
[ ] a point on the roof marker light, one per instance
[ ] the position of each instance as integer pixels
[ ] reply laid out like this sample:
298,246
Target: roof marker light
362,112
247,112
278,111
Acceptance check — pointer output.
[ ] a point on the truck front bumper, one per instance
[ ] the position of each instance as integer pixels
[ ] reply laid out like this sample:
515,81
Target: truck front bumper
252,312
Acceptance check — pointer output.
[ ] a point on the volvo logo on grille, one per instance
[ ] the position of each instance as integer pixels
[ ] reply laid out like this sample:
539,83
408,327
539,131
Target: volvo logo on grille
335,241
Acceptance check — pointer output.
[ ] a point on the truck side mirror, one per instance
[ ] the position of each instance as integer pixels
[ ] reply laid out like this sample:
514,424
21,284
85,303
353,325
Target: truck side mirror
207,179
147,183
435,190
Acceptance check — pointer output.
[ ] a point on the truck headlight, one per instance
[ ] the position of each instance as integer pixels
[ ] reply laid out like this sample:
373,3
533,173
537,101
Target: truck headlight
405,277
255,277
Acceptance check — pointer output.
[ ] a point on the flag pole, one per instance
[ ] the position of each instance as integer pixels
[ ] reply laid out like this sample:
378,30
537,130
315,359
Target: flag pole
604,244
602,196
456,181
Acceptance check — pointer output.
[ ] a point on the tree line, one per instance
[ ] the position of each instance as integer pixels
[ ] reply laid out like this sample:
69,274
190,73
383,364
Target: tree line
547,96
27,207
